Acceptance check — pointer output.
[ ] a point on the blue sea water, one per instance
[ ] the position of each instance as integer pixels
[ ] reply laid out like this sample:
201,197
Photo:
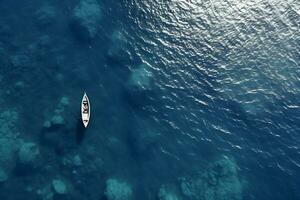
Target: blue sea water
175,86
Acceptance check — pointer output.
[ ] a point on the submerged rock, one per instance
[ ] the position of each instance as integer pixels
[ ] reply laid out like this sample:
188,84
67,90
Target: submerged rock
138,89
64,101
19,85
87,17
118,50
72,161
219,182
59,186
140,78
28,153
57,119
20,60
47,124
3,175
77,160
192,188
223,173
9,142
45,193
41,47
7,150
45,16
118,190
168,193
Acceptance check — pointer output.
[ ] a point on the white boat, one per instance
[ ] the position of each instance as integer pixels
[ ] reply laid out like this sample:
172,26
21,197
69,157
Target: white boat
85,110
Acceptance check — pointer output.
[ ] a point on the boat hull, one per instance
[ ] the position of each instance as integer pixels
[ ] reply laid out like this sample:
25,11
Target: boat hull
85,110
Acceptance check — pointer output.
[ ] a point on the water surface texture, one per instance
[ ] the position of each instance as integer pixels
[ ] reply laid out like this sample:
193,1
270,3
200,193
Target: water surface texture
190,100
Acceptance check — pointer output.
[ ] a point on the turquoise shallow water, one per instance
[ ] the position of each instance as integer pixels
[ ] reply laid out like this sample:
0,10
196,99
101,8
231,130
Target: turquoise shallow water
189,100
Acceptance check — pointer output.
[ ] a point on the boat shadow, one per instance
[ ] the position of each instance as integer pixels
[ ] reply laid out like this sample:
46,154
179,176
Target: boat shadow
80,130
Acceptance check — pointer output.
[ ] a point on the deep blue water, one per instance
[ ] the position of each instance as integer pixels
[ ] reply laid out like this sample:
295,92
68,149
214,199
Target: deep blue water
174,86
